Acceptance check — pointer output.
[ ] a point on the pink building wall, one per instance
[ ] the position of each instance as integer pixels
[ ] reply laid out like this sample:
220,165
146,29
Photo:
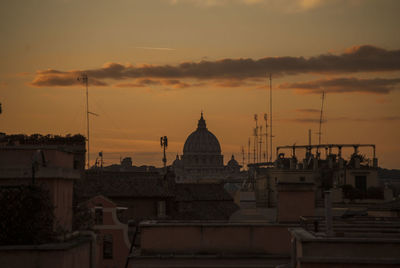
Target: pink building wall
214,238
111,227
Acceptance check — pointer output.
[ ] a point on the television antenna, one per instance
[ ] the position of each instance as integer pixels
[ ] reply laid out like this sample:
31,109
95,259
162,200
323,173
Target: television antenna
84,79
320,120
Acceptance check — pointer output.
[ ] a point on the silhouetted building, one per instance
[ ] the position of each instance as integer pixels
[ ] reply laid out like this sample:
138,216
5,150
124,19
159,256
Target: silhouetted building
202,159
148,196
51,164
354,180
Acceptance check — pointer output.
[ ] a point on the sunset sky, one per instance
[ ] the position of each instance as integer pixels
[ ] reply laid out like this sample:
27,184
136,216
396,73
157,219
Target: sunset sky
154,65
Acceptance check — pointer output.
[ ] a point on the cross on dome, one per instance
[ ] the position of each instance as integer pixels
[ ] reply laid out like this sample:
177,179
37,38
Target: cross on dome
202,122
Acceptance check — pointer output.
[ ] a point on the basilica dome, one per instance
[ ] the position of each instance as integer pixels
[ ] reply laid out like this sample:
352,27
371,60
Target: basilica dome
201,141
233,162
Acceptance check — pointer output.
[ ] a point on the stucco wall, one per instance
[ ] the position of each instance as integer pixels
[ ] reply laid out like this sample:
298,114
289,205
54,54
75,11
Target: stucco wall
60,191
187,238
371,177
22,157
293,204
111,227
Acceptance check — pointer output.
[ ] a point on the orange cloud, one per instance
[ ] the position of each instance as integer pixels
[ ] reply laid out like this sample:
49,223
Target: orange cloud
302,120
52,78
345,85
364,58
151,82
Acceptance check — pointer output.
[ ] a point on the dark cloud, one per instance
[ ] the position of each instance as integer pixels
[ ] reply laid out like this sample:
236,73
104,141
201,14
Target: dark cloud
51,78
140,83
174,83
233,83
346,85
356,59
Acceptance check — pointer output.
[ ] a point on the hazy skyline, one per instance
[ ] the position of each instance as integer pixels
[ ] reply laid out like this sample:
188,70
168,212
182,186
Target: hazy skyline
154,65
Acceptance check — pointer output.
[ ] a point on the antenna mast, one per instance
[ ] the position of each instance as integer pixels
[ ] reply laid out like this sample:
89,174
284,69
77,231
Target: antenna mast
320,118
266,138
270,118
255,157
243,154
248,152
84,79
260,141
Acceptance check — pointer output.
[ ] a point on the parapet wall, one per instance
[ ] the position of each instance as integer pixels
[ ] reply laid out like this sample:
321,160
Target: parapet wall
73,254
214,238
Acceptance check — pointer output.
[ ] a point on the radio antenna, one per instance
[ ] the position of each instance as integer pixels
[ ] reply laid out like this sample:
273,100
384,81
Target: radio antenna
320,118
84,79
270,118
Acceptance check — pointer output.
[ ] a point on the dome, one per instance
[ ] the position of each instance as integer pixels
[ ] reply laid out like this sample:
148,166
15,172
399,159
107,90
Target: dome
202,141
233,162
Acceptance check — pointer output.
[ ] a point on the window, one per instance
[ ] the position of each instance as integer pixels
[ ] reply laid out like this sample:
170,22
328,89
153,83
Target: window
107,246
122,214
161,209
98,215
361,183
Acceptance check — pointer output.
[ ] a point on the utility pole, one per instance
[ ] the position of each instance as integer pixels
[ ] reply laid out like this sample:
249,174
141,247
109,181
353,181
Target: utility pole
164,145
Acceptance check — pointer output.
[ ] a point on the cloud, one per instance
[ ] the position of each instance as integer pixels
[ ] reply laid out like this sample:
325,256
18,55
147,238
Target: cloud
24,74
174,83
52,78
307,120
303,120
345,85
308,111
157,48
232,83
356,59
288,6
140,83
